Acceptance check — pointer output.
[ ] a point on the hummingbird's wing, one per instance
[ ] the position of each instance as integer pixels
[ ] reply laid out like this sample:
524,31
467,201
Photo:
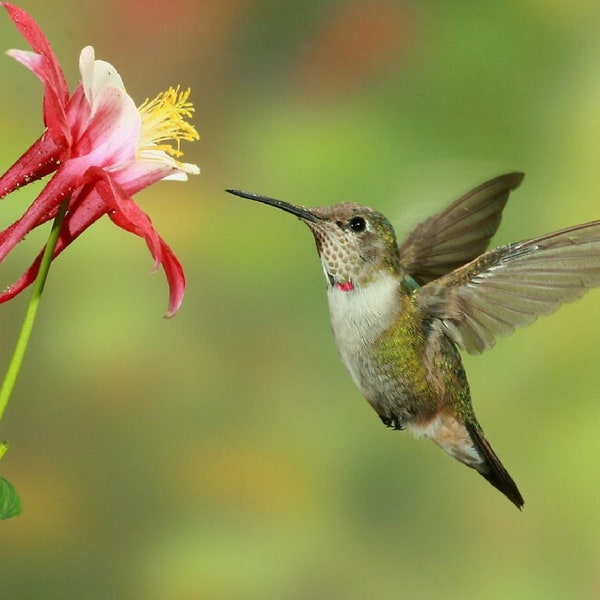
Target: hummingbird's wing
459,233
512,285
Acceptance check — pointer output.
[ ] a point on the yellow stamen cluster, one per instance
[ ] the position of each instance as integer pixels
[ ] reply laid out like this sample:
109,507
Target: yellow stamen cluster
164,119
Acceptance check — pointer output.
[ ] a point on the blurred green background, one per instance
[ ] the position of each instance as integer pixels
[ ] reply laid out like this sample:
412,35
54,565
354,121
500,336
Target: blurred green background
225,453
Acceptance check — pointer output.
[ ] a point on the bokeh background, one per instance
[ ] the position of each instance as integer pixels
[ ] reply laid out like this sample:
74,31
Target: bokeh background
225,453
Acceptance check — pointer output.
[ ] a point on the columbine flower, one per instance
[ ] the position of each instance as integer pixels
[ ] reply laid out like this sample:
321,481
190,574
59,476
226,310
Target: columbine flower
101,149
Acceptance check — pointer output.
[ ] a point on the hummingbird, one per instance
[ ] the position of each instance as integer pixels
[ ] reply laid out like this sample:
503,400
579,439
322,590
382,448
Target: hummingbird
401,313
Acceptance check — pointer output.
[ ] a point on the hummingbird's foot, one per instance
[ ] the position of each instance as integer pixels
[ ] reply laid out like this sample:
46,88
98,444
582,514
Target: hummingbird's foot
393,422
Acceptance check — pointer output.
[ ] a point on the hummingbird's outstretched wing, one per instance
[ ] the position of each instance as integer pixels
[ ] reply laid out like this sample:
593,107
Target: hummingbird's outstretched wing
512,285
459,233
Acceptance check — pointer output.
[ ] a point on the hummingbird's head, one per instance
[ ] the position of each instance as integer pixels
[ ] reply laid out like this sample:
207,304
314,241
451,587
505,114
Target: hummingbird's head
355,243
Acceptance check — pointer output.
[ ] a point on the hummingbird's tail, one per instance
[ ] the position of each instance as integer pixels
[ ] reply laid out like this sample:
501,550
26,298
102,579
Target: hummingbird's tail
492,469
466,443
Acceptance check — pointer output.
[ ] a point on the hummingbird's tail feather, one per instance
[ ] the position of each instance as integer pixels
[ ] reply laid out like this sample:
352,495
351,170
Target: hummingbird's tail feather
492,469
466,443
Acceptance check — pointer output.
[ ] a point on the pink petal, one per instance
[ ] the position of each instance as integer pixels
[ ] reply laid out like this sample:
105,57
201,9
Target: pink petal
111,133
78,113
139,173
46,67
125,213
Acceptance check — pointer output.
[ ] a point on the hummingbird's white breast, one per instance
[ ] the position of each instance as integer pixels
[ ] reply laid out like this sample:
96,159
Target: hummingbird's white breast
358,317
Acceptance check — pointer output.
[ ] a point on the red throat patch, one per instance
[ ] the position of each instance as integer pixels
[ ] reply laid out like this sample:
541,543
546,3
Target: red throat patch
345,287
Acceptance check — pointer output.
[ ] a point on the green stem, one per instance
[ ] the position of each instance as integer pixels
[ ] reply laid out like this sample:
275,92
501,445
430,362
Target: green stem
23,340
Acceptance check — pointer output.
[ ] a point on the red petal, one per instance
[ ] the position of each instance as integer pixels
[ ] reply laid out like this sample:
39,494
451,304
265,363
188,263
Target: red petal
24,281
64,182
175,279
56,90
42,158
85,210
125,213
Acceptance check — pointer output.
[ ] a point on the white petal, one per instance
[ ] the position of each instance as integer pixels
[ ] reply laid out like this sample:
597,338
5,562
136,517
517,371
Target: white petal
162,158
86,68
97,75
177,176
190,168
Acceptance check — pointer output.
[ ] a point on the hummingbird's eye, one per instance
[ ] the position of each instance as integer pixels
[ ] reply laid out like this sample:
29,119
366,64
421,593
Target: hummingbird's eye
357,224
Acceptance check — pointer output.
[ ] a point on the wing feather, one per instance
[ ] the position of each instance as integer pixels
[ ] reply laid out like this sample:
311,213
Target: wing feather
512,285
459,233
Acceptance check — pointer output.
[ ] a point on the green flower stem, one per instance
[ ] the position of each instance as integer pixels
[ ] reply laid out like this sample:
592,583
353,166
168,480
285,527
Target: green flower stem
23,340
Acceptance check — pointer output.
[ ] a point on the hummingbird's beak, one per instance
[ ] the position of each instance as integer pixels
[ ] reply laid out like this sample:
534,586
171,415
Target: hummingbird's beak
299,211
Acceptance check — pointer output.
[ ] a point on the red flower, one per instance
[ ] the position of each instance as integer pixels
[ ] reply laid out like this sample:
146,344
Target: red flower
101,150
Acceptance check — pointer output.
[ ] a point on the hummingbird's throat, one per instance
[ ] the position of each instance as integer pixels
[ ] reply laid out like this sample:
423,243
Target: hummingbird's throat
344,286
340,264
348,286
